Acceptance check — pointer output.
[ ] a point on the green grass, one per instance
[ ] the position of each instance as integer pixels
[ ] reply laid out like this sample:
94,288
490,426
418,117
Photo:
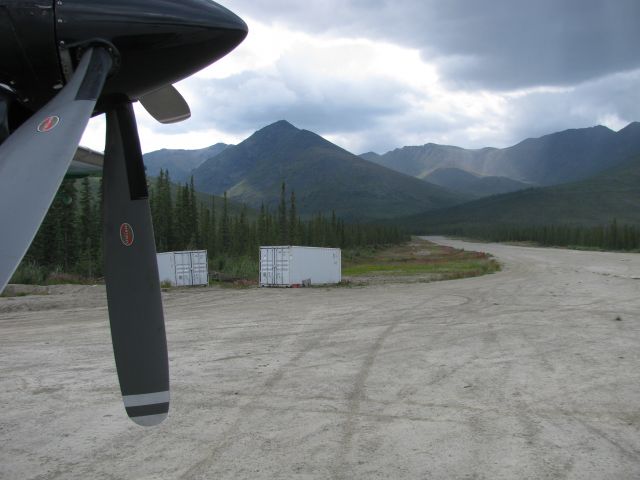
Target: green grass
30,273
19,294
415,258
230,268
416,269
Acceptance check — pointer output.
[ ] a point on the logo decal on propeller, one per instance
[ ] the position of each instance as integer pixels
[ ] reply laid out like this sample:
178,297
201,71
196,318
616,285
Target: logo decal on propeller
126,234
48,124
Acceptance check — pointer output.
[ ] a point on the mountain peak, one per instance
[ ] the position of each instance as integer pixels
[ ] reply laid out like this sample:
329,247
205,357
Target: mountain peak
279,126
324,176
632,127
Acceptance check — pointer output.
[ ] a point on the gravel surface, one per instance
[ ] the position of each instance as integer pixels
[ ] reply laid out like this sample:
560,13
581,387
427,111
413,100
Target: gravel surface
532,372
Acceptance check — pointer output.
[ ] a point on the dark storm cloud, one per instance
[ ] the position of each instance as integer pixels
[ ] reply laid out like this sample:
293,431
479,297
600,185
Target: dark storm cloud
614,99
499,44
251,100
333,67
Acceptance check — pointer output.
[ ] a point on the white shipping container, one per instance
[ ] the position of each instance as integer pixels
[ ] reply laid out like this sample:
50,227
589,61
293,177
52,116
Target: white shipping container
288,266
184,268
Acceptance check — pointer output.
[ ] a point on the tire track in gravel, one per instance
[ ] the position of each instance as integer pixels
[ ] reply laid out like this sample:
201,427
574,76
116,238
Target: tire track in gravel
341,322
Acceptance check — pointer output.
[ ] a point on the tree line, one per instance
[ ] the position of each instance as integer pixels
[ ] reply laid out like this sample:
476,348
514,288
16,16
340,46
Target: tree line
70,238
607,237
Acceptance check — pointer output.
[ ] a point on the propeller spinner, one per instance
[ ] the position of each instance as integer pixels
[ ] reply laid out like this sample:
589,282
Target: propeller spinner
60,63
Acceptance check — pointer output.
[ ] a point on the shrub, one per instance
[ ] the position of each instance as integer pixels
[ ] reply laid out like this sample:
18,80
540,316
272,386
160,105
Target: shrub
29,273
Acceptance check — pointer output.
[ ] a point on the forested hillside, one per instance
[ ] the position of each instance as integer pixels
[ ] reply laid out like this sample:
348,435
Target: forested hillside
325,177
70,239
602,211
472,184
593,203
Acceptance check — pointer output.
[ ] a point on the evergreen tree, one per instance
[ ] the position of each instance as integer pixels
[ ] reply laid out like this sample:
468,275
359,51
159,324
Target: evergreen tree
283,238
192,216
213,233
168,213
262,225
87,232
62,250
225,226
70,237
294,237
204,227
163,213
154,197
86,222
242,233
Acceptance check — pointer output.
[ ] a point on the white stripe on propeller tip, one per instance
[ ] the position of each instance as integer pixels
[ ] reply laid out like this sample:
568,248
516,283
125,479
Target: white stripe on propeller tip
145,399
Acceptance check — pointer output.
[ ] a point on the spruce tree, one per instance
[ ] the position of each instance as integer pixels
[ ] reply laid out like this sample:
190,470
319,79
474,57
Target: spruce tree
204,227
262,226
282,217
242,233
154,199
213,233
182,217
85,223
293,220
194,238
225,226
86,227
66,233
168,211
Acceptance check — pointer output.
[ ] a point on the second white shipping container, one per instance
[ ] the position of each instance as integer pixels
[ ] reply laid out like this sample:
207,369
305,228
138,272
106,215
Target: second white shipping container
286,266
182,269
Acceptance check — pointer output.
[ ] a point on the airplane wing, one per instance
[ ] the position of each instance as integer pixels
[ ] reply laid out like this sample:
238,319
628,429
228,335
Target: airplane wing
86,162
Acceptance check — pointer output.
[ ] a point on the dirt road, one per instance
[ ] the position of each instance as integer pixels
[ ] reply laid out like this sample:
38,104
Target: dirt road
533,372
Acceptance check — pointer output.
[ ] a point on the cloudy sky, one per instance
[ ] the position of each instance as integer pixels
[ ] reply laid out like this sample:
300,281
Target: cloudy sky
373,75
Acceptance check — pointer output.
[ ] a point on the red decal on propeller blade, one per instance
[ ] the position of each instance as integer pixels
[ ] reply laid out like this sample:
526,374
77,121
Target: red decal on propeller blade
126,234
48,124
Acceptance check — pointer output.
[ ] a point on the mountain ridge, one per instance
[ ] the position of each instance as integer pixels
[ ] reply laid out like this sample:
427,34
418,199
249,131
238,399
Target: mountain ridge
327,177
473,184
324,176
555,158
596,201
179,162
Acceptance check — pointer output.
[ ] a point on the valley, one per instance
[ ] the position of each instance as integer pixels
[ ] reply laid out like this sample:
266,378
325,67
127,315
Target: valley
582,178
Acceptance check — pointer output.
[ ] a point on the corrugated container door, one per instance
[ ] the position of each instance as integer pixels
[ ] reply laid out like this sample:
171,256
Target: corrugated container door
183,269
199,270
281,262
274,266
266,269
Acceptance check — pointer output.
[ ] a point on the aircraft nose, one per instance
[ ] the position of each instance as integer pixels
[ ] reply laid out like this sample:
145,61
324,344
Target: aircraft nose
159,41
212,15
196,14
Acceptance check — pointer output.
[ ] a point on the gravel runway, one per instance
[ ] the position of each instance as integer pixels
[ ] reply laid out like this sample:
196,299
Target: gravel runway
532,372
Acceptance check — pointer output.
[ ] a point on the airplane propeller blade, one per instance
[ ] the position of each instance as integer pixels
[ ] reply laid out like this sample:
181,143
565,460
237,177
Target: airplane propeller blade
166,105
131,274
35,158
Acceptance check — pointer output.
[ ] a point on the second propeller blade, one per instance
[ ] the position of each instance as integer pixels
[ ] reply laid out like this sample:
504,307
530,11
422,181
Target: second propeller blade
166,105
35,158
131,275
